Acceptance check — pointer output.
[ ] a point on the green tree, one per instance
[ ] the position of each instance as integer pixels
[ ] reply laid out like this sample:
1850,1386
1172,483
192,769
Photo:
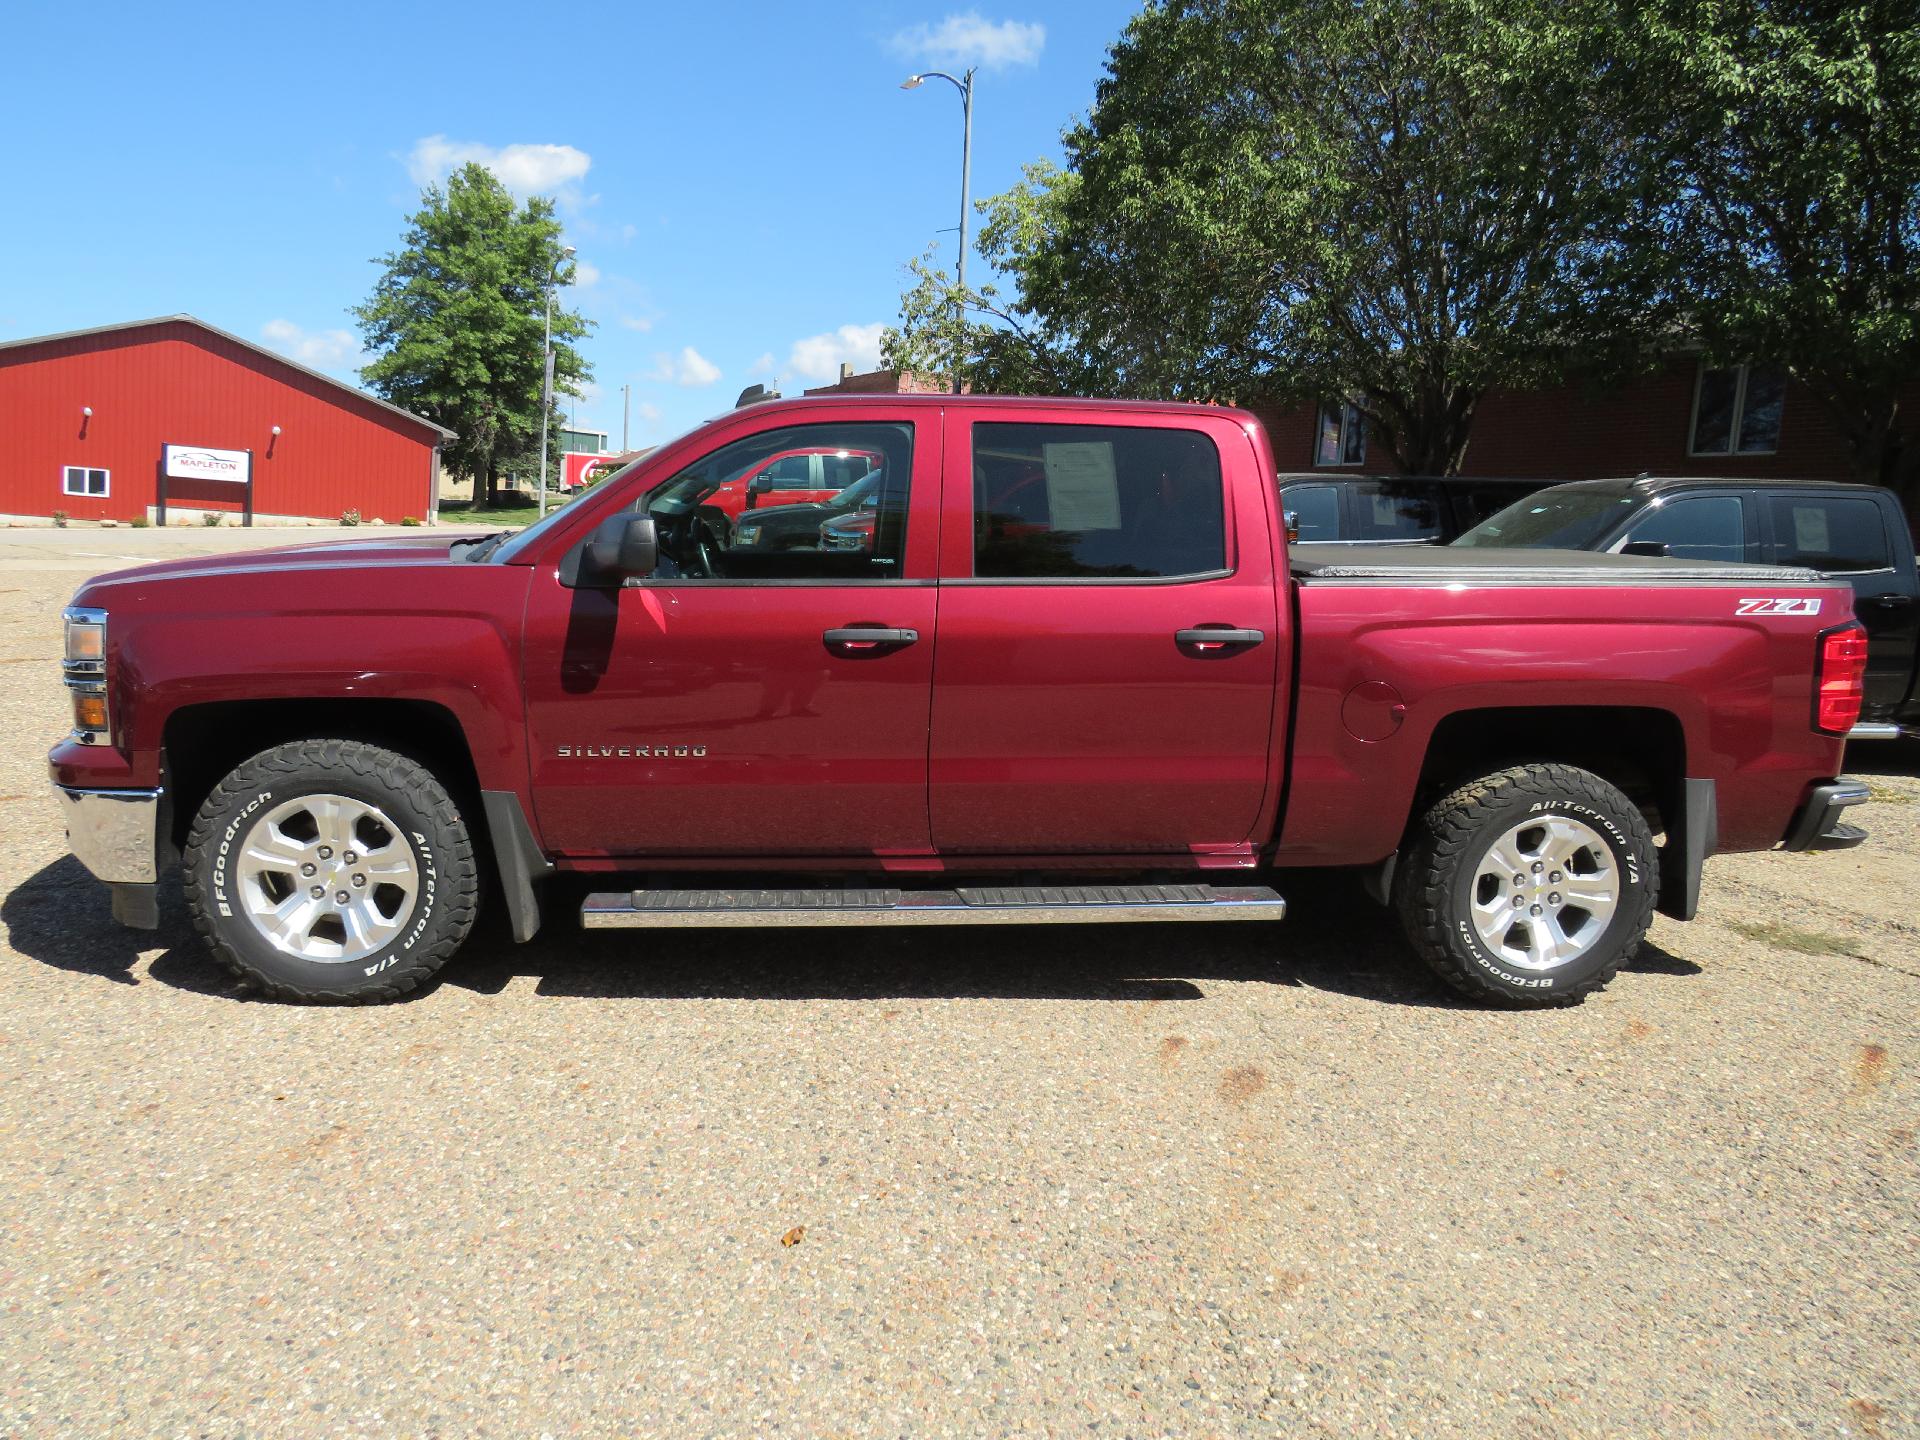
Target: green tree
1286,200
456,319
1782,217
999,344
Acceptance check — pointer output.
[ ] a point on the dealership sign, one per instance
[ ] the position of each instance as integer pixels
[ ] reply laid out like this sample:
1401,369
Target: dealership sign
197,462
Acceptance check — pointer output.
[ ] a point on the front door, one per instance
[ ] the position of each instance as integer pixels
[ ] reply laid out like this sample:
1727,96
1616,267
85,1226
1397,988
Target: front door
739,702
1079,703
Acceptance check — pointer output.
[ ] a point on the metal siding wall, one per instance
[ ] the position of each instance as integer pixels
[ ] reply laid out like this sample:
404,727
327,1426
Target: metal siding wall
177,383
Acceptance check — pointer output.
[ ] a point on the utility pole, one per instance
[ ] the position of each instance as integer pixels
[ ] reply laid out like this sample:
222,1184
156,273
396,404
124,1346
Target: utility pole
964,84
546,383
626,398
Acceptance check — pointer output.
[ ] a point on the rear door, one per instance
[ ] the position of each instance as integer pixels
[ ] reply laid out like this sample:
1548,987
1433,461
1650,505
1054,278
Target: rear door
1850,538
1080,701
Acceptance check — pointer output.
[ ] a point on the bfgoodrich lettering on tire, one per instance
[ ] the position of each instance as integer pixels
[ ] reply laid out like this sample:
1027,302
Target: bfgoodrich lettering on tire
1530,886
331,871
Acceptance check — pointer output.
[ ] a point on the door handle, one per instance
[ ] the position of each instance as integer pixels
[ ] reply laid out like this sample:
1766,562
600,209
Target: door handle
1217,637
1891,601
867,637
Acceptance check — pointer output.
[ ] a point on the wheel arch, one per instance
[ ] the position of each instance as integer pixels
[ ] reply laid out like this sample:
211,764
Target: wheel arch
1642,750
203,742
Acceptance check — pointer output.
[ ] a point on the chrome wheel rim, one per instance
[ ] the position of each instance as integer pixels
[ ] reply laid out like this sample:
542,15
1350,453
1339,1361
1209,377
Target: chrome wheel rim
1544,892
327,878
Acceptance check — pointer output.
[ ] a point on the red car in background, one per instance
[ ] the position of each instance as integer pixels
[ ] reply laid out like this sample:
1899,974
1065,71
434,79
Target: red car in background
793,477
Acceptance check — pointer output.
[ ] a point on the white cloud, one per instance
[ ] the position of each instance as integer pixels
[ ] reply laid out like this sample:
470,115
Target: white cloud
764,365
689,368
322,349
585,275
637,322
964,39
523,169
649,412
819,357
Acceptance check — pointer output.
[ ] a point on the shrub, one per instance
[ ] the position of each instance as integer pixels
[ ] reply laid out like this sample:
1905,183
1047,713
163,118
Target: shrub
349,517
212,519
139,522
60,519
409,519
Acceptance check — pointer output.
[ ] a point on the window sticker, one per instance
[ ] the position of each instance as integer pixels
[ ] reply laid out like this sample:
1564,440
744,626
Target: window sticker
1810,530
1083,490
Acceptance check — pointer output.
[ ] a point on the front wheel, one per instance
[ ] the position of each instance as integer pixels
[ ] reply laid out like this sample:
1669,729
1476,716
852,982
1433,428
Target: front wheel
331,871
1530,886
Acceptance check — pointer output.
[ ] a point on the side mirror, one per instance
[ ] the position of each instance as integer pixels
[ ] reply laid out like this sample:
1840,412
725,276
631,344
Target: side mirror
622,547
761,484
1292,519
1644,547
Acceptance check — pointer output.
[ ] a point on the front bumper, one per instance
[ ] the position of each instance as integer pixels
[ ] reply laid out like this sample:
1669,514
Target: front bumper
1818,825
116,834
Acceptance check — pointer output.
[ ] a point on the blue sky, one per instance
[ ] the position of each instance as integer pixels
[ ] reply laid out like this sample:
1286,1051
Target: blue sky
744,182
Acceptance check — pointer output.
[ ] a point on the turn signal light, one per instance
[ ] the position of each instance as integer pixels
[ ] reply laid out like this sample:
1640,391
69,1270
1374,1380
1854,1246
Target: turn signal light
90,710
1840,680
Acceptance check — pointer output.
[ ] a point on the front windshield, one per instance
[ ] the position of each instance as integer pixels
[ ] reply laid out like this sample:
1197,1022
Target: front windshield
1568,519
518,544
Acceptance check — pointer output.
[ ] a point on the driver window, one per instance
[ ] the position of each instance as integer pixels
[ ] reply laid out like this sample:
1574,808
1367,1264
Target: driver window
780,524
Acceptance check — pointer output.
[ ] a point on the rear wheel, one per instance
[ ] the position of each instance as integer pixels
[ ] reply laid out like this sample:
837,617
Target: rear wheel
331,871
1530,886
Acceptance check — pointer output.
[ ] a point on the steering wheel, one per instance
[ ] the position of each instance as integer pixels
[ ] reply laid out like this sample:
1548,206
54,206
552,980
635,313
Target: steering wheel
706,551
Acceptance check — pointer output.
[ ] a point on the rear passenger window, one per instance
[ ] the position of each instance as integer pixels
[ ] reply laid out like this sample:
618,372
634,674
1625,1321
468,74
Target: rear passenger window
1395,512
1315,509
1830,533
1094,502
1703,527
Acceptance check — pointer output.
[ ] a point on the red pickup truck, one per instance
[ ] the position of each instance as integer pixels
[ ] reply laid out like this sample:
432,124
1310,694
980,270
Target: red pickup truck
1069,675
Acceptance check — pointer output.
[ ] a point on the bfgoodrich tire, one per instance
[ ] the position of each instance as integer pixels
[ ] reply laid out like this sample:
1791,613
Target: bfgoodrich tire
331,872
1529,887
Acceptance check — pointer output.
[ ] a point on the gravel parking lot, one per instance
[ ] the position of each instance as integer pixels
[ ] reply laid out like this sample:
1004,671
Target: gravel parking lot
1135,1181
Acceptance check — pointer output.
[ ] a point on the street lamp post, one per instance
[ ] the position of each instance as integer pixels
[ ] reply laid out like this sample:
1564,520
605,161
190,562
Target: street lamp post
546,383
964,84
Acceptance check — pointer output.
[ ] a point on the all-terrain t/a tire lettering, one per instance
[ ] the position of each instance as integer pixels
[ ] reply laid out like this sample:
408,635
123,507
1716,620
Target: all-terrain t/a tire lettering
1530,887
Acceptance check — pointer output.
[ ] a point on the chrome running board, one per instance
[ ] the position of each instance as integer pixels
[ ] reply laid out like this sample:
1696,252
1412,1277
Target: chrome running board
1030,905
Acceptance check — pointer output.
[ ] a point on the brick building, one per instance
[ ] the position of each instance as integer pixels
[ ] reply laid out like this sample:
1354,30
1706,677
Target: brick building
1686,418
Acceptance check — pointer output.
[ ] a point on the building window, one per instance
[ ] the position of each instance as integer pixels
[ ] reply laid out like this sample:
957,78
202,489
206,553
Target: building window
1342,436
1736,410
80,480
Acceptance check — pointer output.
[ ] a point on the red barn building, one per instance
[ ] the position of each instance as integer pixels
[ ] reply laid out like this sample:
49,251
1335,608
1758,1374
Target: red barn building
87,419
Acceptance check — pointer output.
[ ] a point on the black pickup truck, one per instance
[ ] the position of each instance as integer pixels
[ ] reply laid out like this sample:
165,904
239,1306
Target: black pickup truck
1855,533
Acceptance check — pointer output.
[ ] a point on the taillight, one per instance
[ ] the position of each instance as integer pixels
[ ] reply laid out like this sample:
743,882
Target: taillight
1840,679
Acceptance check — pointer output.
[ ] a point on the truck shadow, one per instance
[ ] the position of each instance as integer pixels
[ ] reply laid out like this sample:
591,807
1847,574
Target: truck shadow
1334,940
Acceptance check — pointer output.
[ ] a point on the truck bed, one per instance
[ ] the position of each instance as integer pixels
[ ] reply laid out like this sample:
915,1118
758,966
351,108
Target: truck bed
1445,565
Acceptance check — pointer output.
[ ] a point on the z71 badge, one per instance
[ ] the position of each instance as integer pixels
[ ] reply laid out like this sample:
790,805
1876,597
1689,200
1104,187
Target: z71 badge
1778,607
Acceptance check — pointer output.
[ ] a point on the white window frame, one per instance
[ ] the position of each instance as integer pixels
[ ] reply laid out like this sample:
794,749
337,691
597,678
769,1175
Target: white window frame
1351,420
1738,417
67,472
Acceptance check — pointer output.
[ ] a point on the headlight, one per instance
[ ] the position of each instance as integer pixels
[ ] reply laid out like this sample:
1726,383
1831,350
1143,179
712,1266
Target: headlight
85,667
746,535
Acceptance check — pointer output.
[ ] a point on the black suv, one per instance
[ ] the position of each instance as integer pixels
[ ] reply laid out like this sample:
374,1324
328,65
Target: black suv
1393,509
1855,533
